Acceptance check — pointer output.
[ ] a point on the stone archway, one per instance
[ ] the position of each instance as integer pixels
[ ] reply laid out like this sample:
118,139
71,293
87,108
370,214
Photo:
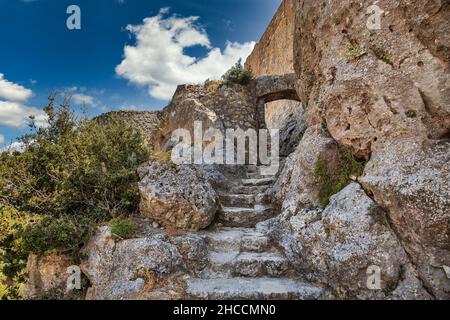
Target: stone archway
273,88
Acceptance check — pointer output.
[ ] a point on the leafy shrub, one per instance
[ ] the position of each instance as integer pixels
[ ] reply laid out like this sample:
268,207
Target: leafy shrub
74,167
71,175
237,74
122,228
56,235
333,180
13,260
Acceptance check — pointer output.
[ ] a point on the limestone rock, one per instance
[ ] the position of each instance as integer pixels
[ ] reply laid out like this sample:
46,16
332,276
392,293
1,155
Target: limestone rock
374,86
296,184
47,276
338,245
179,198
141,268
412,183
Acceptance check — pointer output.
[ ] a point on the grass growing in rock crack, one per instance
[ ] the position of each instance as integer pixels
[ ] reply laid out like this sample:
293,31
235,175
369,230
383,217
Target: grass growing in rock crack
333,180
122,229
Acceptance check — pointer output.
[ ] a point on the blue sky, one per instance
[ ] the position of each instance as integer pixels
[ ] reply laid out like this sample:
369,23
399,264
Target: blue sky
180,41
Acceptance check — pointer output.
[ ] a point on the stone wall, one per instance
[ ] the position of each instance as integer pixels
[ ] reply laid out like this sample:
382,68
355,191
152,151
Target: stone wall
273,55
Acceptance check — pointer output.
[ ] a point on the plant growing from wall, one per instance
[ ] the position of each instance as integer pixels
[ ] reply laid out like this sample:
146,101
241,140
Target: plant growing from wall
333,180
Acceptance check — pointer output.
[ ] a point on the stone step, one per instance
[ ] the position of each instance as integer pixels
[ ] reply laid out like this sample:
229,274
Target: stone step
236,239
244,217
252,289
248,264
237,200
248,189
258,182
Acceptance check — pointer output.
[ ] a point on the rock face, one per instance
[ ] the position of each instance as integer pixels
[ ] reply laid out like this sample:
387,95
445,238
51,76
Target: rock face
154,267
374,86
47,276
179,198
296,185
145,121
337,246
412,183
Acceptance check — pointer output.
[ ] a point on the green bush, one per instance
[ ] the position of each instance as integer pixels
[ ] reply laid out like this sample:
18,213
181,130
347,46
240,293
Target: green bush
237,74
333,180
72,174
56,235
74,167
13,259
122,229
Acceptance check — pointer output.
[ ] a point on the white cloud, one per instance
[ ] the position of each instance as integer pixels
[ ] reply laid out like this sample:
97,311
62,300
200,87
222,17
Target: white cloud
16,114
2,138
158,60
83,99
13,110
12,91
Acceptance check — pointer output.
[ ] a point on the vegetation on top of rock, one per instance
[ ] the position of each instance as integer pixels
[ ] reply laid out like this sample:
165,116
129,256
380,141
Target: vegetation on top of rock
122,229
333,180
237,74
72,174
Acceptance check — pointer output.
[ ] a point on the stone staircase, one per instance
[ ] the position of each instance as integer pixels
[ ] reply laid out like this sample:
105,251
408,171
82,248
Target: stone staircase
243,263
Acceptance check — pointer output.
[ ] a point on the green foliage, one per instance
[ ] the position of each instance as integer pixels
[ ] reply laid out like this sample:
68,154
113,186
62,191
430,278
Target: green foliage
122,228
333,180
74,167
237,74
12,259
72,174
56,235
411,114
381,54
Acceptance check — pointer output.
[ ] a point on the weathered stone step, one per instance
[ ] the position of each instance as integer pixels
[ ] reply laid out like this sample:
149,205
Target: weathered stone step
257,182
237,200
252,289
244,217
248,264
236,239
250,190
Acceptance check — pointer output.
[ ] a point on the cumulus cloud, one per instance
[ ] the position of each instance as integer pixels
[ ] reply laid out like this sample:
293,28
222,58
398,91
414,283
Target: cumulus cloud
13,91
158,59
16,114
2,138
83,99
13,109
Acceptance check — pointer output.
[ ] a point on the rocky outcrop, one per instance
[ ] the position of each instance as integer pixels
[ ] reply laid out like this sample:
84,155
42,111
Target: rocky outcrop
384,94
374,86
296,185
177,197
147,122
154,267
337,246
412,183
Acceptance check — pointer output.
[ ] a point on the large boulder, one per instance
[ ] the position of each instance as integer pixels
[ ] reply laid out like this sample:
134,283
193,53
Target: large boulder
412,183
153,267
296,184
339,245
177,197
